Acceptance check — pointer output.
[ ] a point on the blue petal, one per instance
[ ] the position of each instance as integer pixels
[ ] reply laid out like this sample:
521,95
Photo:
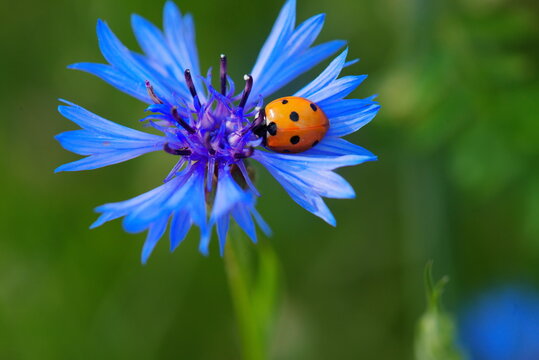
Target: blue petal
306,179
222,232
106,142
179,227
155,233
204,245
351,62
92,122
228,194
197,197
175,196
154,45
120,81
286,53
150,39
325,78
141,216
245,221
323,212
307,176
145,209
327,184
305,34
154,64
180,38
348,116
323,182
182,198
337,147
314,161
338,89
121,58
104,159
116,210
279,35
306,198
262,224
230,198
180,34
85,142
293,68
312,57
190,42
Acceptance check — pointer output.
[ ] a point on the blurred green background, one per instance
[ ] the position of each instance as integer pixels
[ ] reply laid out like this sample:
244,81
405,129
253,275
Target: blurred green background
457,139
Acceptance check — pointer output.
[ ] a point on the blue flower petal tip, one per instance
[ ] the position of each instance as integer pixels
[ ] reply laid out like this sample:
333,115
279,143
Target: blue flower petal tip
212,133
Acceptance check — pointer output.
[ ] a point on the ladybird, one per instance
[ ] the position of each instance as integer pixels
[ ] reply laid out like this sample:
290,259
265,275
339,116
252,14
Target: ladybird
293,124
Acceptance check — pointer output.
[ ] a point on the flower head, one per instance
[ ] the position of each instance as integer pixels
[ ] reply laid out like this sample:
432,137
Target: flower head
502,323
213,132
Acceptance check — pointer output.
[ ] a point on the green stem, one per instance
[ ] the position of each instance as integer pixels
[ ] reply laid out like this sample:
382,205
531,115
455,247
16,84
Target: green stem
253,346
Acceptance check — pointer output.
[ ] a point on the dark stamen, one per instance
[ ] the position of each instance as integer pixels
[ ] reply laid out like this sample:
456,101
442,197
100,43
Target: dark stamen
248,86
245,153
223,74
151,93
181,121
191,86
207,142
184,152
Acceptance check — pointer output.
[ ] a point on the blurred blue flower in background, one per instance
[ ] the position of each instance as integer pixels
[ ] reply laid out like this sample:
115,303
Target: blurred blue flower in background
213,131
502,324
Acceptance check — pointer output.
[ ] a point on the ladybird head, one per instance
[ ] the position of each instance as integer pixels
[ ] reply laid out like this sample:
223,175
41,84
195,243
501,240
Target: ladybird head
261,127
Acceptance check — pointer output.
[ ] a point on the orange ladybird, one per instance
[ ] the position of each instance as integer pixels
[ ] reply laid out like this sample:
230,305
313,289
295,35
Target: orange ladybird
294,124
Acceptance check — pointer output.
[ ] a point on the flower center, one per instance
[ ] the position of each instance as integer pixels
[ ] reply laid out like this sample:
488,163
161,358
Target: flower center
217,130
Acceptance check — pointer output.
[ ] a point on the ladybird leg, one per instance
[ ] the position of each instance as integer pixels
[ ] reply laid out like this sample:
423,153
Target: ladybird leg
183,152
259,120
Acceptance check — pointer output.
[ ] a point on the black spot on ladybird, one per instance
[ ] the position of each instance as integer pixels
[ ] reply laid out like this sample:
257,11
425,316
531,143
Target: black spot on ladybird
285,102
294,116
314,107
315,143
294,139
272,128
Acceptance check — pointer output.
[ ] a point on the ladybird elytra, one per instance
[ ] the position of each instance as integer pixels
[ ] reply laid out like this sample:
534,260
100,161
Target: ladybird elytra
294,124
